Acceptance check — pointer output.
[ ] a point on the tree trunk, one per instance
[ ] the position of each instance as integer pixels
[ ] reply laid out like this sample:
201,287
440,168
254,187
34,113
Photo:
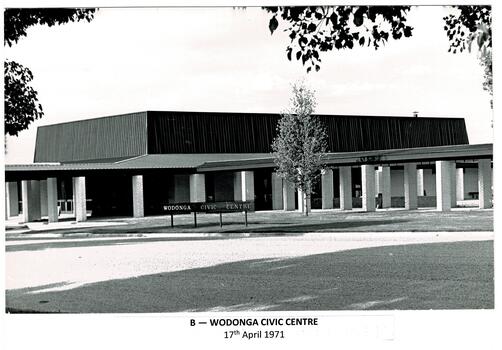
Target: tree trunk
308,194
305,200
305,204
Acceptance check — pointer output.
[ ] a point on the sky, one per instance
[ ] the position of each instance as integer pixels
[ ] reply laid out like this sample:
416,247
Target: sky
225,59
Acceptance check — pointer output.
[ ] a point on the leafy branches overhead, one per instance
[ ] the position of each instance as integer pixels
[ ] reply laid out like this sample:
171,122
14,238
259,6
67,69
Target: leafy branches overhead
16,21
316,29
462,28
21,103
468,25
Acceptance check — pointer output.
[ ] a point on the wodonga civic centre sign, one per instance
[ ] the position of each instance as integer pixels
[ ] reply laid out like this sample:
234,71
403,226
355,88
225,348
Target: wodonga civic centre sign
209,208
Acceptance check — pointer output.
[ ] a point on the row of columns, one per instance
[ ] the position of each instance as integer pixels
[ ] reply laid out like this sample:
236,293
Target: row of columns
39,197
379,181
243,189
283,192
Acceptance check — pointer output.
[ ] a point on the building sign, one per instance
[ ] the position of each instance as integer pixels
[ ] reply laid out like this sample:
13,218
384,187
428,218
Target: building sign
179,208
215,207
209,207
226,207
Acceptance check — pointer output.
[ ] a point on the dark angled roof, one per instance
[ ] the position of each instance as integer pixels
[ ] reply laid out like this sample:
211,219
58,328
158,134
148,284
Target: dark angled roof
157,132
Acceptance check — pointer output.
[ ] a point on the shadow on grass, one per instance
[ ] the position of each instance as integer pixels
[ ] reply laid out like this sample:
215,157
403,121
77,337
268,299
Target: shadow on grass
231,226
98,242
326,226
408,277
276,230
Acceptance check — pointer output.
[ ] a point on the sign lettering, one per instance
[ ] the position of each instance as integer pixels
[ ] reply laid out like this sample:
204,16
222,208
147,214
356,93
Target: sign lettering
209,207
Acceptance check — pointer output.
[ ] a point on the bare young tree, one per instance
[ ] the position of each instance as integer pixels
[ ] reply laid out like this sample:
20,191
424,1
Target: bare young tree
301,143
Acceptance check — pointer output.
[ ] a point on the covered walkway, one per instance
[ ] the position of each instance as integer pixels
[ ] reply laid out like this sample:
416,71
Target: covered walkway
413,177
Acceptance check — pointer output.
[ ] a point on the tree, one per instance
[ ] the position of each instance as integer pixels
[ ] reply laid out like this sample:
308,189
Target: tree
316,29
21,102
17,21
301,143
468,25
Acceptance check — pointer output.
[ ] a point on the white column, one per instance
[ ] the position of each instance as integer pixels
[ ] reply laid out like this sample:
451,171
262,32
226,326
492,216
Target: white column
420,183
277,203
197,188
288,195
368,187
31,200
345,188
12,199
80,199
453,183
74,198
301,202
327,189
460,184
443,185
384,185
247,186
43,197
378,180
52,199
485,183
138,207
410,186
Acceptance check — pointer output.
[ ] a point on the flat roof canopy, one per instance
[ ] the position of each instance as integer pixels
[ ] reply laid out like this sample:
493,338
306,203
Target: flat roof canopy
239,161
390,156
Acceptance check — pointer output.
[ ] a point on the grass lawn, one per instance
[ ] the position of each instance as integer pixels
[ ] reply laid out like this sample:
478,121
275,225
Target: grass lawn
317,221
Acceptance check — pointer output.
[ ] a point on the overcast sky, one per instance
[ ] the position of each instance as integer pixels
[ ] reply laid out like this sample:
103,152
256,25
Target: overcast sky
221,59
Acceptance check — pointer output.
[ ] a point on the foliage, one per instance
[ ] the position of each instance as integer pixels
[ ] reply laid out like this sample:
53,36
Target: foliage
21,103
316,29
486,63
300,143
463,26
468,25
17,21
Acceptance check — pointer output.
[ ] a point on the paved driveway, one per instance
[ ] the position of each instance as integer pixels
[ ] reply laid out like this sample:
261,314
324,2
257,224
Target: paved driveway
206,273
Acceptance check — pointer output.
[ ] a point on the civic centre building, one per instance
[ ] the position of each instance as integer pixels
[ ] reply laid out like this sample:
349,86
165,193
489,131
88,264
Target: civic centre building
135,164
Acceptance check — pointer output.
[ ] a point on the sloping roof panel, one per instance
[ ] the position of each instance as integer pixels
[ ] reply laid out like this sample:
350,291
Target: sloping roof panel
87,140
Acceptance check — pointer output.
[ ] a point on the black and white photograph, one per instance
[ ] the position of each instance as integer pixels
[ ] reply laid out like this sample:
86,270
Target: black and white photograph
248,174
